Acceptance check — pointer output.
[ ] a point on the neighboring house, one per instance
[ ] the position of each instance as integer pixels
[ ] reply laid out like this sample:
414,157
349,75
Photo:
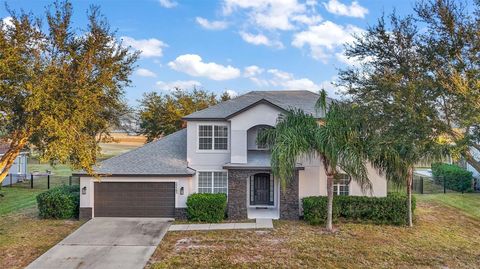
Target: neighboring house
216,153
18,170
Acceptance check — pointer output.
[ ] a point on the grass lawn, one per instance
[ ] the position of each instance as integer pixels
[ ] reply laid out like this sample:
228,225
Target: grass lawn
468,203
443,237
24,237
15,199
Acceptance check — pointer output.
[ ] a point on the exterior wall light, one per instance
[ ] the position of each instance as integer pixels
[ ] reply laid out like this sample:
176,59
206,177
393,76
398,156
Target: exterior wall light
84,190
182,190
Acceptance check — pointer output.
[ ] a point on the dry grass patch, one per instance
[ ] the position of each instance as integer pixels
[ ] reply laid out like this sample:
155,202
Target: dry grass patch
442,238
24,237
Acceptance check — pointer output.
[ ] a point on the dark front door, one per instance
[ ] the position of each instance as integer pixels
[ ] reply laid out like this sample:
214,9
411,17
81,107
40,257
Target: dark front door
261,189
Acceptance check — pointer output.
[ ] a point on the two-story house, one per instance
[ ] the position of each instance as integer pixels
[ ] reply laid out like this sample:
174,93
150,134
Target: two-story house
217,152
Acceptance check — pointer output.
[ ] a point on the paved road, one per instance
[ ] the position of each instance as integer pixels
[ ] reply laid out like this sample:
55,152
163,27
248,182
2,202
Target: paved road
105,243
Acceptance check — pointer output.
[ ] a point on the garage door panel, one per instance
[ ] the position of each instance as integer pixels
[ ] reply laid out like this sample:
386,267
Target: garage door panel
130,199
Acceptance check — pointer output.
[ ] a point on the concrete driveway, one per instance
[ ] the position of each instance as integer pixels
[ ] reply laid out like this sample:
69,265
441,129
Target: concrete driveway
107,243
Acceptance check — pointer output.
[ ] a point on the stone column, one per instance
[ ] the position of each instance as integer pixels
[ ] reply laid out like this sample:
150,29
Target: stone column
289,201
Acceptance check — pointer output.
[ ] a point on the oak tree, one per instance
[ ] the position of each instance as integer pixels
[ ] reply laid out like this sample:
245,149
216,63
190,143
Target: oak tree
60,88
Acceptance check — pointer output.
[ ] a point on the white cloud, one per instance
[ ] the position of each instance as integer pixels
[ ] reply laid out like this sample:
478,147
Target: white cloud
280,74
167,3
271,14
308,20
260,39
143,72
281,80
149,47
8,21
341,57
325,38
354,10
181,84
193,65
232,93
252,70
211,25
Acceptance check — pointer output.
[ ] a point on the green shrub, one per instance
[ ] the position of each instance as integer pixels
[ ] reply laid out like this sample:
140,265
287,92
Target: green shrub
59,203
379,210
453,176
206,207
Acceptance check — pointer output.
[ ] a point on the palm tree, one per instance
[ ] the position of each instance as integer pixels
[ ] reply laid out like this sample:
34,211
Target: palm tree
397,158
337,141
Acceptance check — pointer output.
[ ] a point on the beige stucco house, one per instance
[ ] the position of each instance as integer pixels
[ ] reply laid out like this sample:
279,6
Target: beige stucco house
217,152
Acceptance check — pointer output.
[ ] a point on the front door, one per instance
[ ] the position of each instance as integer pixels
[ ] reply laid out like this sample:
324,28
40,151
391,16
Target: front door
261,189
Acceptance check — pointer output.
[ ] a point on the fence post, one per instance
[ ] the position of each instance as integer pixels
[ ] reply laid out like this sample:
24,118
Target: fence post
421,185
31,181
444,186
48,181
70,180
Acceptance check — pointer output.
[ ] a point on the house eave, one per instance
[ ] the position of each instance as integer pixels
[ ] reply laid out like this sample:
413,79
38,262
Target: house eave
133,175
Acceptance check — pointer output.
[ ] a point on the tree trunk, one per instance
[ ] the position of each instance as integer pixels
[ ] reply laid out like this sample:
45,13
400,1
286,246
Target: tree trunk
7,160
330,202
409,194
471,161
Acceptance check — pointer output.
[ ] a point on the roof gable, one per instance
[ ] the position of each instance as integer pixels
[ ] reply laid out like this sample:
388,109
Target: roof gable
284,100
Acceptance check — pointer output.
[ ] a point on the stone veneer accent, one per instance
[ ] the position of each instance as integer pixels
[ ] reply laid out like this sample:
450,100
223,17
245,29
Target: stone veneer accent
181,213
237,195
85,213
289,201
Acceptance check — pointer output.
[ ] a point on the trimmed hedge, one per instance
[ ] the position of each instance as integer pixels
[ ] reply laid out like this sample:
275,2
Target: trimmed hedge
456,178
206,207
379,210
59,203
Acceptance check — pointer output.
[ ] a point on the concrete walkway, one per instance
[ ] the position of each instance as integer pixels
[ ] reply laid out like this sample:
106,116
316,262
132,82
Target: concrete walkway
106,243
258,224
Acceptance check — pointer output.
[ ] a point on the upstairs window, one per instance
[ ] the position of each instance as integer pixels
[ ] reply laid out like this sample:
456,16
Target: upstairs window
212,137
261,146
341,186
205,137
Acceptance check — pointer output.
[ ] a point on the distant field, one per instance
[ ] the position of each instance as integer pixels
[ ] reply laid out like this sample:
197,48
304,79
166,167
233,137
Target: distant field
113,149
108,150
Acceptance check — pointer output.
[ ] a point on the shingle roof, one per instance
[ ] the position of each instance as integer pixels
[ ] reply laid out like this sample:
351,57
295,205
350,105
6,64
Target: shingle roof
304,100
166,156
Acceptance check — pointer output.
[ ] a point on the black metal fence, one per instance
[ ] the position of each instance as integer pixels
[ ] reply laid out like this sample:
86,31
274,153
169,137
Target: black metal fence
428,185
39,181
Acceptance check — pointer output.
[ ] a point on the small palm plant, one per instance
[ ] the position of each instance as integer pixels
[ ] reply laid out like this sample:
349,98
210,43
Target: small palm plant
337,141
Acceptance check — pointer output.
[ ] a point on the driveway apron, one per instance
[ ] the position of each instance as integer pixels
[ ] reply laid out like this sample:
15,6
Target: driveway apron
107,243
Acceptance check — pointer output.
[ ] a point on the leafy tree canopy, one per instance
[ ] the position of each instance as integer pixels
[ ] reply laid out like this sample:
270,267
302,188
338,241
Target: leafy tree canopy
60,88
161,114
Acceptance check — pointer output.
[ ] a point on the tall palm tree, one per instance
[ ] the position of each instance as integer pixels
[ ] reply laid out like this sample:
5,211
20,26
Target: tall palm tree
397,158
337,141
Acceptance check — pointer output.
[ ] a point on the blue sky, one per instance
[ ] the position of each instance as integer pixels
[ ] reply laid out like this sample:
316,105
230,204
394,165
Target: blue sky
234,45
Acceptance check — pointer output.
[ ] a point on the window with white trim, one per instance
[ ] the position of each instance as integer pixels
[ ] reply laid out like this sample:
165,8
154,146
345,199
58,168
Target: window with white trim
213,182
212,137
341,185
